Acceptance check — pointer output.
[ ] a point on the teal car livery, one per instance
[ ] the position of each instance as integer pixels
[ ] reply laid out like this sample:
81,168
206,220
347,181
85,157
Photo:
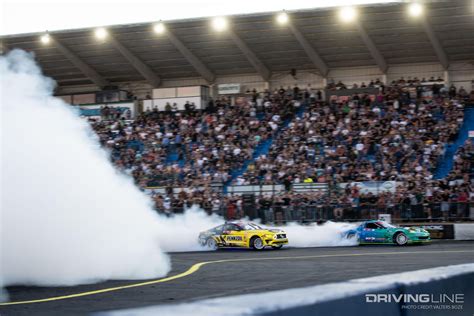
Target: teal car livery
380,232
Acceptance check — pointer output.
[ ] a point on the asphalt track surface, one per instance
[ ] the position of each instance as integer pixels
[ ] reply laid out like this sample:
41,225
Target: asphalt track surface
201,275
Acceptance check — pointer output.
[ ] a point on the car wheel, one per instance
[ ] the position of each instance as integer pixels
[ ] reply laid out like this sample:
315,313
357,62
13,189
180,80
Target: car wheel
211,244
401,239
350,236
277,247
257,243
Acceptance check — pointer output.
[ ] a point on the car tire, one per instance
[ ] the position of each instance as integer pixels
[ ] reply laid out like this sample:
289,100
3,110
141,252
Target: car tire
211,244
400,239
277,247
257,243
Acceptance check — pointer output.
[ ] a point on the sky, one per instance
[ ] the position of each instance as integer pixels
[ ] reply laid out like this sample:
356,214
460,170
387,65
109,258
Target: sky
28,16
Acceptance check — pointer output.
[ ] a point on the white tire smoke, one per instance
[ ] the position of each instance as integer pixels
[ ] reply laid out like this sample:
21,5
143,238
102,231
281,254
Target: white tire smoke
68,217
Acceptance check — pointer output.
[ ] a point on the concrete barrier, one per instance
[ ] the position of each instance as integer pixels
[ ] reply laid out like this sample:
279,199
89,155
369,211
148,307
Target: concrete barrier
464,231
438,291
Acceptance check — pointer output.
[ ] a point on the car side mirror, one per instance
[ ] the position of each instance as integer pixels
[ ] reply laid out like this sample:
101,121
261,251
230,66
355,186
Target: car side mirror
226,232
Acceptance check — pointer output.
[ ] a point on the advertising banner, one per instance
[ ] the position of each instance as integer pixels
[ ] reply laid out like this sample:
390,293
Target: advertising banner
374,187
229,88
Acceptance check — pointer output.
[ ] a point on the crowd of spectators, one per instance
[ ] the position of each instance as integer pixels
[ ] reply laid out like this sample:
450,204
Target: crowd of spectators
414,86
192,147
388,137
395,135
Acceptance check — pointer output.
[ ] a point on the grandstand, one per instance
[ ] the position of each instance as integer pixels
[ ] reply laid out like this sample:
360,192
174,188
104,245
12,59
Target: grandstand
287,116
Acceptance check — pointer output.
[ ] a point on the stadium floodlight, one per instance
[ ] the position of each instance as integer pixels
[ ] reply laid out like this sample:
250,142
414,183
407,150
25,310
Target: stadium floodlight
45,39
415,9
347,14
159,28
219,24
100,33
282,18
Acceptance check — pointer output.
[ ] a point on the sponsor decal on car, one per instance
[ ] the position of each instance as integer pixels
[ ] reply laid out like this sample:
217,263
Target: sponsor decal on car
234,238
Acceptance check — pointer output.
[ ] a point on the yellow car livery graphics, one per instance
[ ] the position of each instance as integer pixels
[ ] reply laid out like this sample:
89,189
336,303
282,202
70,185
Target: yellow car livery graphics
244,235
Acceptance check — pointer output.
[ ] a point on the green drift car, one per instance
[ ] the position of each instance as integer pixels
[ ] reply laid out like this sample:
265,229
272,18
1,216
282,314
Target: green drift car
380,232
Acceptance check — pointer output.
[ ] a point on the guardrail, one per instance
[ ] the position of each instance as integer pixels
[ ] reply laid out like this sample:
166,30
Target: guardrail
277,213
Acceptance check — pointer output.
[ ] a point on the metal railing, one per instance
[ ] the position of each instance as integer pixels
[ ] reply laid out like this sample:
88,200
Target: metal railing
307,213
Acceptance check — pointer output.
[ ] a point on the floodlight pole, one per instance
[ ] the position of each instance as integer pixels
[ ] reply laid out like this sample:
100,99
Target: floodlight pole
374,52
87,70
259,66
438,48
200,67
137,63
309,50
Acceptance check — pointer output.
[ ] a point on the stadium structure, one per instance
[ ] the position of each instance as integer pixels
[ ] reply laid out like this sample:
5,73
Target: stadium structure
259,52
362,115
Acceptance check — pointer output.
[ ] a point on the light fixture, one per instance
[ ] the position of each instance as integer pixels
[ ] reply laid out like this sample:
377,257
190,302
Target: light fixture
347,14
45,39
159,28
100,33
415,9
219,24
282,18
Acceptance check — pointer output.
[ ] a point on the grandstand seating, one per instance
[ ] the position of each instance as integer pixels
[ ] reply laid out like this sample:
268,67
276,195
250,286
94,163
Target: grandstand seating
393,137
446,163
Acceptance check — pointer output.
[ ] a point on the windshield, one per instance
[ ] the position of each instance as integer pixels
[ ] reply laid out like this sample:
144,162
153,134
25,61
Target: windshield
250,226
385,224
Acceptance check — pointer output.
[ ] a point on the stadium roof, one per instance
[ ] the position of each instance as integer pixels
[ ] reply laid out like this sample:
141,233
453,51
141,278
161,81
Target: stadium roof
314,40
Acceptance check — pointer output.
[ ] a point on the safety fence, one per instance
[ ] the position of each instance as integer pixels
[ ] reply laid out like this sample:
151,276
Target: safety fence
306,213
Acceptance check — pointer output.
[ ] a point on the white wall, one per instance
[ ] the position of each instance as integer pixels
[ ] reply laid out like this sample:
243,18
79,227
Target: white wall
414,70
462,74
303,79
180,102
349,76
251,81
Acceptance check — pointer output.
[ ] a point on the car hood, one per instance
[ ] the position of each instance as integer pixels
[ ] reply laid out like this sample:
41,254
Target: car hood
265,231
275,230
411,230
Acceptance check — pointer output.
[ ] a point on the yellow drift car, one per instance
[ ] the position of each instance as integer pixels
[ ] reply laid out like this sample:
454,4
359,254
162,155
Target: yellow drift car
243,235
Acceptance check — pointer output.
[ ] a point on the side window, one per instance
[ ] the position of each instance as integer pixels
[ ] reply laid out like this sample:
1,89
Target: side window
379,226
228,227
218,230
235,227
371,226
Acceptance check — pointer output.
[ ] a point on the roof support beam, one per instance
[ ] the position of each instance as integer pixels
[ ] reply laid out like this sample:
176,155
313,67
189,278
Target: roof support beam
309,50
439,50
87,70
136,62
376,55
191,58
250,55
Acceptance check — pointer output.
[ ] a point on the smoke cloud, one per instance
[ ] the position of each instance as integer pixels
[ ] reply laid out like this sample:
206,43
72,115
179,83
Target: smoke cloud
330,234
182,230
68,217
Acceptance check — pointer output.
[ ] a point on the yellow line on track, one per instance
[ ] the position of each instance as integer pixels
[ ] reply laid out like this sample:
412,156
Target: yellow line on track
195,267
